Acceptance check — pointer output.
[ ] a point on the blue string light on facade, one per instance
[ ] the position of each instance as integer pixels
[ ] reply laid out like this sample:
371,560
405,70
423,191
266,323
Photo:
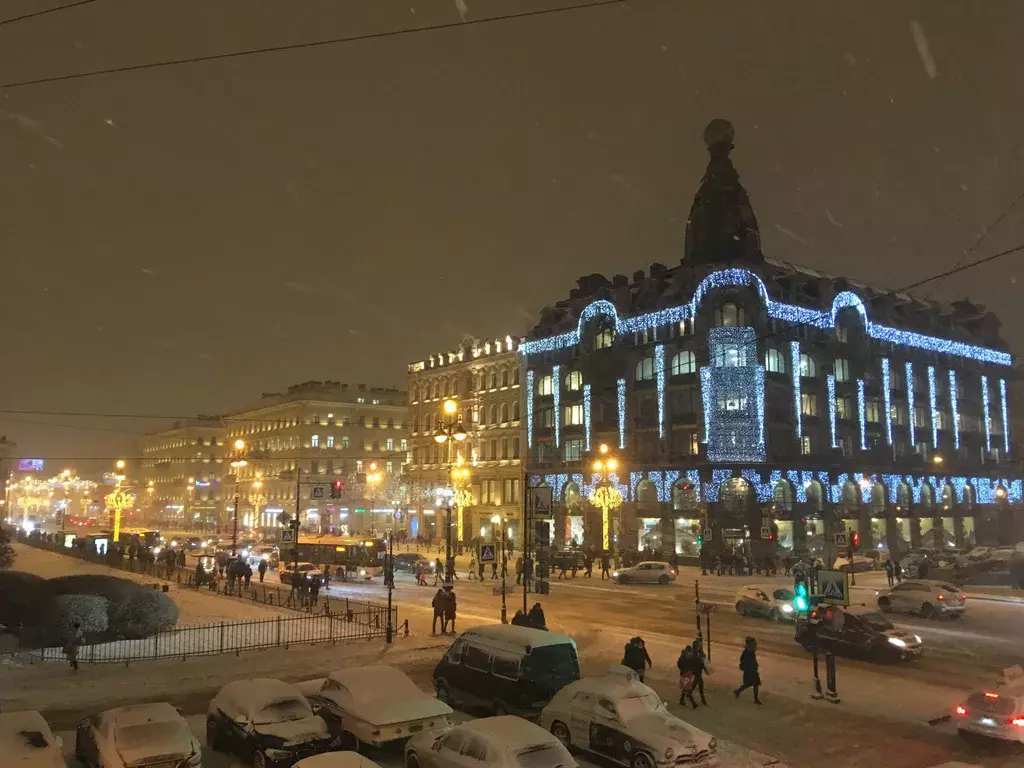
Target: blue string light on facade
985,414
933,406
887,400
586,414
912,420
659,374
705,397
529,408
954,407
621,391
1005,408
830,383
794,365
556,391
861,415
776,309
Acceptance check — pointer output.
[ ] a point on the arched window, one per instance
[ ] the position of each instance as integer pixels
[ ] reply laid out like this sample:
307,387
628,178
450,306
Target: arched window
851,496
494,414
515,411
731,356
729,316
927,496
504,377
948,497
504,413
544,386
571,496
494,380
734,495
437,390
808,368
447,388
682,362
903,497
427,423
574,381
515,376
774,362
647,495
878,499
968,500
684,496
645,369
604,338
783,497
815,496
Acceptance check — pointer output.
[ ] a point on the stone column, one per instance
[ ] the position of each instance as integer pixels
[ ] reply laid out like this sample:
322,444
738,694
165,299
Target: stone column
867,534
892,532
915,527
799,531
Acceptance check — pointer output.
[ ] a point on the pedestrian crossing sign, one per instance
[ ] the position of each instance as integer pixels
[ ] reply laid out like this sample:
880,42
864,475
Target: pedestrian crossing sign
487,553
541,501
834,587
287,536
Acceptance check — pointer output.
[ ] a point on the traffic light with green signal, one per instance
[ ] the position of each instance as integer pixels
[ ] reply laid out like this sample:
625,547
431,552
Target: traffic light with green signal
801,599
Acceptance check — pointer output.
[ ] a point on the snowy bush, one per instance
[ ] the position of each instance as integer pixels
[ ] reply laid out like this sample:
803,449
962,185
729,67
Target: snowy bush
89,612
142,614
6,550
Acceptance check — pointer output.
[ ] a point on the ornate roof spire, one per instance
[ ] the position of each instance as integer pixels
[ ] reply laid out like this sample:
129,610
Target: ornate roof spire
721,226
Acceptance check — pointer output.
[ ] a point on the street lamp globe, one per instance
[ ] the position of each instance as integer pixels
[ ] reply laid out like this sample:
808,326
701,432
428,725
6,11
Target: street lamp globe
603,448
239,444
450,407
119,464
598,466
460,432
611,464
439,435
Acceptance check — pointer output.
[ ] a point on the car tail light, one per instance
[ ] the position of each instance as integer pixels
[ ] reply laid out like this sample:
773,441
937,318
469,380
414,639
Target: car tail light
963,597
961,710
1018,721
989,695
672,572
939,597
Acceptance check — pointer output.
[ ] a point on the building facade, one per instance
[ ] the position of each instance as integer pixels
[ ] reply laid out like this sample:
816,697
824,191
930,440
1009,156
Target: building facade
753,404
483,378
301,441
185,467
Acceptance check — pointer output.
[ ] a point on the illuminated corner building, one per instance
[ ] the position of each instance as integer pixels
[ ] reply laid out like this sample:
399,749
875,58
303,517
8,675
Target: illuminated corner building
482,377
781,402
327,431
8,463
188,449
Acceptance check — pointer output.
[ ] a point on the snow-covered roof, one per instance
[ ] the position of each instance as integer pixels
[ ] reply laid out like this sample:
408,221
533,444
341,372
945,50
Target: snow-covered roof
139,714
613,685
376,682
26,739
514,731
515,637
246,697
336,760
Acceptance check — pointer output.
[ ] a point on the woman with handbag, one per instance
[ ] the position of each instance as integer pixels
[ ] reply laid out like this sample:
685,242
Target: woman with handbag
687,675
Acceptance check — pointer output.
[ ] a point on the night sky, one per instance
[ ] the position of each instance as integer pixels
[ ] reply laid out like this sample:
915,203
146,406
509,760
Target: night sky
178,240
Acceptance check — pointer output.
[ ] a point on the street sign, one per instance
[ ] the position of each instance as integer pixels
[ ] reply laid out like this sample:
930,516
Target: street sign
318,492
766,533
706,608
541,501
842,540
487,553
287,536
707,534
834,587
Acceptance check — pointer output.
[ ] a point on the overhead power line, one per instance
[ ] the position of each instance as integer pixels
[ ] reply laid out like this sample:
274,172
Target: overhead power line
37,14
314,43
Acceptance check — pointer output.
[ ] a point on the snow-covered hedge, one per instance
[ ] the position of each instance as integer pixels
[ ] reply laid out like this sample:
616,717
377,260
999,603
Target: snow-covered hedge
142,614
89,612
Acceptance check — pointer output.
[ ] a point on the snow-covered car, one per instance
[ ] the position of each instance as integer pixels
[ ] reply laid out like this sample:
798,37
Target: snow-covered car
139,734
376,705
755,601
620,719
647,572
505,741
26,741
996,712
288,571
265,723
860,564
337,760
924,598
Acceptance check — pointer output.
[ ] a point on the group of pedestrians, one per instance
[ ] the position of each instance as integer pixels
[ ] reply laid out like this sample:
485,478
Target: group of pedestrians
444,604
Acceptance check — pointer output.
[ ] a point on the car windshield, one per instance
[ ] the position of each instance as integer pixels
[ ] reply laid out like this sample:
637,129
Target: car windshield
783,594
949,588
155,735
875,621
282,711
544,756
635,706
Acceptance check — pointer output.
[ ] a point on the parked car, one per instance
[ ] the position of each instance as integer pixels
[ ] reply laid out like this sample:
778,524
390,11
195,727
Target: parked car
860,564
28,741
289,571
863,632
925,598
504,668
995,713
265,723
647,572
139,734
618,718
408,562
566,557
376,705
755,601
497,742
337,760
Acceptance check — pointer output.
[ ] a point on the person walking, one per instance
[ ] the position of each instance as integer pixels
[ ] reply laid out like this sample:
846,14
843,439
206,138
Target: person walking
247,575
438,605
327,578
71,646
421,575
449,609
700,666
575,564
519,570
889,572
898,571
494,569
588,565
635,657
438,571
749,667
605,566
472,568
262,569
687,675
563,567
480,571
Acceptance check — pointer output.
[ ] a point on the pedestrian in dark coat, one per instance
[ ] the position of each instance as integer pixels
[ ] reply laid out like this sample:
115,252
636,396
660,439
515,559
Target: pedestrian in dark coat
588,565
519,570
536,617
635,657
480,571
749,667
438,605
248,575
71,646
700,666
687,675
449,609
262,568
605,566
889,572
494,570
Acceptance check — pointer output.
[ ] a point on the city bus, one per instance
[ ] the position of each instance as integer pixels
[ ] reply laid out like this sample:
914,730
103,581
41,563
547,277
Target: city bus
143,538
359,556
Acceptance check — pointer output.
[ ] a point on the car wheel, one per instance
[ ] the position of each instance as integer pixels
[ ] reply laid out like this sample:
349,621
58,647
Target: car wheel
884,604
740,609
259,760
212,741
927,611
561,732
623,579
663,580
411,761
642,760
444,694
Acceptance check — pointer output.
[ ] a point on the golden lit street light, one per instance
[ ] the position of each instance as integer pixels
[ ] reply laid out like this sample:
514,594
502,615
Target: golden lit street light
237,462
448,429
149,503
605,496
257,498
373,477
119,500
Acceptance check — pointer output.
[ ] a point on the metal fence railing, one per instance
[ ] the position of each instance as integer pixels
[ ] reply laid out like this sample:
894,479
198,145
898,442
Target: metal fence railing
226,637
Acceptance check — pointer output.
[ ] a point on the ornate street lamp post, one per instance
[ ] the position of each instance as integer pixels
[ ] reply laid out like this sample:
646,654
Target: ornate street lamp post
237,463
605,496
449,428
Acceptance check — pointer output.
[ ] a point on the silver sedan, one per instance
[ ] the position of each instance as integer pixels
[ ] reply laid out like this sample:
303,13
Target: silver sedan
925,598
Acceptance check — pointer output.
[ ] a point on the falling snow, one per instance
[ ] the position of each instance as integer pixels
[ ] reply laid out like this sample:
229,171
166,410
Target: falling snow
832,219
791,234
917,31
462,8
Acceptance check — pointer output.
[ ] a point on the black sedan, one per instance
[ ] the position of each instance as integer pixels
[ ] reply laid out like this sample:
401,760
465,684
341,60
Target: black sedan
410,562
860,632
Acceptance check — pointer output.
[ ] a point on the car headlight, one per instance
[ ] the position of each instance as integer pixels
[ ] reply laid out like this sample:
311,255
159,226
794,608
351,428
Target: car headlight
712,745
897,642
670,753
156,550
362,573
277,754
615,573
266,557
918,638
787,609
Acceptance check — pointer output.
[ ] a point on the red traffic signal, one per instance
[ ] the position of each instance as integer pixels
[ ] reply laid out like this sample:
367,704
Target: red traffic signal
339,484
336,487
855,539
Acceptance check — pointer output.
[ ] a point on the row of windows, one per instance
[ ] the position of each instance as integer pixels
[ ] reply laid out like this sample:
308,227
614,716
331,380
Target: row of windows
485,450
390,444
502,414
479,381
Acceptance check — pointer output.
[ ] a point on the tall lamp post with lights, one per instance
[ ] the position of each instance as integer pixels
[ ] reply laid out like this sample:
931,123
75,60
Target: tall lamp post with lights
373,478
118,501
65,479
237,462
605,496
449,428
499,522
257,498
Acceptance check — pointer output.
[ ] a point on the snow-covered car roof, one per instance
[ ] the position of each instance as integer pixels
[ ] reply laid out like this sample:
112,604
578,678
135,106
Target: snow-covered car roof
247,697
612,685
514,637
26,739
336,760
514,732
139,714
376,681
382,695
